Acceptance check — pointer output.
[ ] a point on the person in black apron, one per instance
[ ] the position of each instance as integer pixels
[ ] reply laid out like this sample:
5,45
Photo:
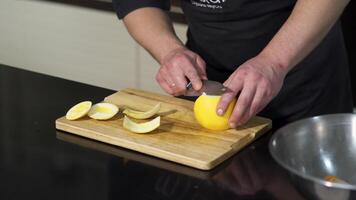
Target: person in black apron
285,59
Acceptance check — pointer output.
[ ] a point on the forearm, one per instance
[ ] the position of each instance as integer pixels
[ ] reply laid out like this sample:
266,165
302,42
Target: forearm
308,24
153,30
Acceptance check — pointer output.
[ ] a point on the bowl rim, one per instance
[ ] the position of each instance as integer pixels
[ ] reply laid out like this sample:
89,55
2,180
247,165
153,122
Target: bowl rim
279,131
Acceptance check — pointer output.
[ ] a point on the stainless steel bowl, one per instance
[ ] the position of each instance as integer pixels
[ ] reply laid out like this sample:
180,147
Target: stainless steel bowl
313,148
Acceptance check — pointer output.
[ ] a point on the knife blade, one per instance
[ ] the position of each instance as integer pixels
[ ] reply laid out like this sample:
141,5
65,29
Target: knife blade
209,87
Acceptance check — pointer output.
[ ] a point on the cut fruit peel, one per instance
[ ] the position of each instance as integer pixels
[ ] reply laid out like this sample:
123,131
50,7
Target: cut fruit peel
141,127
79,110
142,115
103,111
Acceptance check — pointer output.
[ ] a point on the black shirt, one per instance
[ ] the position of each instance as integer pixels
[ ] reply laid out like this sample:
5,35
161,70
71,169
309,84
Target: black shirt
226,33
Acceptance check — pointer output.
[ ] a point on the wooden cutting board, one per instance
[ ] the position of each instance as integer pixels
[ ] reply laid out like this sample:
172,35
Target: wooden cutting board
179,138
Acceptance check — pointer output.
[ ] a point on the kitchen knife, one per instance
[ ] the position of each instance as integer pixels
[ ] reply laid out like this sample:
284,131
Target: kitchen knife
209,87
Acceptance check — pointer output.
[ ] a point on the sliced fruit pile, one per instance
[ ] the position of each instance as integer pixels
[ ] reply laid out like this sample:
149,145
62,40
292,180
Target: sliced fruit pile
142,115
105,111
99,111
142,127
145,127
79,110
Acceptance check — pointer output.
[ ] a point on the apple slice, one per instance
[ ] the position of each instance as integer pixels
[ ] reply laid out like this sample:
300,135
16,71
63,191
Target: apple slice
142,115
141,127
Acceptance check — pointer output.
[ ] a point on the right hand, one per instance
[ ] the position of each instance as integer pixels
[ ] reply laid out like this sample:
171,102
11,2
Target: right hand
177,68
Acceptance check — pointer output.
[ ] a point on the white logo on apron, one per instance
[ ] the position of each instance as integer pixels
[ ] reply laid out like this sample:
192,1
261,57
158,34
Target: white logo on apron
213,4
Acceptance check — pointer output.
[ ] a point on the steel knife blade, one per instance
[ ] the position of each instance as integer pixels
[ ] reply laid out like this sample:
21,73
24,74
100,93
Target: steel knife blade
209,87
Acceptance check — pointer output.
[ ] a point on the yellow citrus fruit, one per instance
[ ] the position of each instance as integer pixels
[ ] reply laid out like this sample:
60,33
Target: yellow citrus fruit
79,110
205,112
103,111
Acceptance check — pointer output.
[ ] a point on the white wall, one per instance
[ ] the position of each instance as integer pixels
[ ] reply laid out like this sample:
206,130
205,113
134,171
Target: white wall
80,44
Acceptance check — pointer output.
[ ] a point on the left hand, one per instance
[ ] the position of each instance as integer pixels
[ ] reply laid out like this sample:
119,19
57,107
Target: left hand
258,81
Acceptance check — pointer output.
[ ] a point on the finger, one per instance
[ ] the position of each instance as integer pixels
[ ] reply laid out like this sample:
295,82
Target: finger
167,77
201,67
240,72
245,117
266,98
231,78
263,105
251,111
163,84
200,64
191,73
257,101
243,104
178,77
228,81
229,95
225,101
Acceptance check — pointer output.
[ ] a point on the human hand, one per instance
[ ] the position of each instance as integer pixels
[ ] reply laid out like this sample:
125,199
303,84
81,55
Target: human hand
177,68
258,81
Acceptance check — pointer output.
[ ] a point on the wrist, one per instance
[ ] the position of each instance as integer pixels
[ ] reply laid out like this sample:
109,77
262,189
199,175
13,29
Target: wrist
169,49
278,61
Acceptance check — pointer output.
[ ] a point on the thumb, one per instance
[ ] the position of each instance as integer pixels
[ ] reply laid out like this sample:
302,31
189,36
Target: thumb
224,102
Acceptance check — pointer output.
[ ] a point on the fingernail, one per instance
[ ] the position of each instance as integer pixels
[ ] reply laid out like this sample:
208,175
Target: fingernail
220,111
232,125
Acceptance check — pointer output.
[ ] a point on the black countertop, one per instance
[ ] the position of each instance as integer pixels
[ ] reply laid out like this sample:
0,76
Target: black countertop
38,162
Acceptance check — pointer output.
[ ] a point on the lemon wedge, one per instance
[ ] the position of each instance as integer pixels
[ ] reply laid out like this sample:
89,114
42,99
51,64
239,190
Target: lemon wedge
141,127
79,110
205,112
103,111
142,115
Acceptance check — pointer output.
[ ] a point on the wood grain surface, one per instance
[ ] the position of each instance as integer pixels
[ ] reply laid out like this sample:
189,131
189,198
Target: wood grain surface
179,138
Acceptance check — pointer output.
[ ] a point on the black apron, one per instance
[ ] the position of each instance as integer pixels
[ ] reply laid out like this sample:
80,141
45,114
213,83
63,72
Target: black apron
226,33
